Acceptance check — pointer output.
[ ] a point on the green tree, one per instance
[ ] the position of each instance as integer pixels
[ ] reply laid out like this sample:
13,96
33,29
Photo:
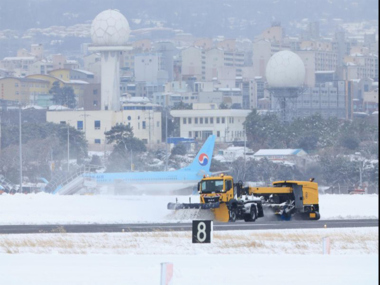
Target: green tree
63,95
223,106
179,149
125,146
264,131
182,106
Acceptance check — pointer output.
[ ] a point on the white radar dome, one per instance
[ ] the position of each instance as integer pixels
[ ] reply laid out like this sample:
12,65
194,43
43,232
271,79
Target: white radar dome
285,69
110,28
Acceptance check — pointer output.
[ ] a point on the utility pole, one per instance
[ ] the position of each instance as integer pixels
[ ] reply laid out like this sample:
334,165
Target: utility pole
20,144
68,147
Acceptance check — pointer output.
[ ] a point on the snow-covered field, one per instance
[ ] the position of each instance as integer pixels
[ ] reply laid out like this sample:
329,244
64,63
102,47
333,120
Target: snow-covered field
233,257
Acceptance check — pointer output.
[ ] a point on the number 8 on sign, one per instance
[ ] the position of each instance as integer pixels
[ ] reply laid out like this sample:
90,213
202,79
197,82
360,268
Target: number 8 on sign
202,231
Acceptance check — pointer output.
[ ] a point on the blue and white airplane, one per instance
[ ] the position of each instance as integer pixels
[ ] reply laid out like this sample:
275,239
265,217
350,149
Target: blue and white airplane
162,181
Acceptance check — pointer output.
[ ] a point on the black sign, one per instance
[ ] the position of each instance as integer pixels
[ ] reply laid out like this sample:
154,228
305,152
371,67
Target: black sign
202,231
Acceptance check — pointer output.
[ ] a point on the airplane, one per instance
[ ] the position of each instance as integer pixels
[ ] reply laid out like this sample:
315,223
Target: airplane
162,181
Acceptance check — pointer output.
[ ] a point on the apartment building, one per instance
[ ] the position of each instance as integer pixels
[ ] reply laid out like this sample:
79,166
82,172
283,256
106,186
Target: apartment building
149,68
25,90
330,99
211,64
360,65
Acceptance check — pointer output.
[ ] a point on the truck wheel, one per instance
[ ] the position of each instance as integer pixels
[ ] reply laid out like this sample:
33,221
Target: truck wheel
233,215
253,213
317,215
251,217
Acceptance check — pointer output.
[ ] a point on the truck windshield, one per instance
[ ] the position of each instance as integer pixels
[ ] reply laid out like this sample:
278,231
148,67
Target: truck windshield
209,186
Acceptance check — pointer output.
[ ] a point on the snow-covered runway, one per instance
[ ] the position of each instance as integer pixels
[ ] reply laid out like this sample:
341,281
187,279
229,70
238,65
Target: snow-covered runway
234,257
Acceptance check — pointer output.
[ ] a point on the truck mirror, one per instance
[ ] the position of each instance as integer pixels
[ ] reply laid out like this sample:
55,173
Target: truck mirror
199,186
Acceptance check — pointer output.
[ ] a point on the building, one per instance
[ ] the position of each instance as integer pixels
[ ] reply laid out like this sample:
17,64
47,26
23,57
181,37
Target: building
211,64
226,124
144,119
360,65
25,90
329,99
149,68
110,33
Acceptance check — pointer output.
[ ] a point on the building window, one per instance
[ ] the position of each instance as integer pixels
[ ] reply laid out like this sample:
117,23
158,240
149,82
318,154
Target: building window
211,120
62,122
80,125
206,120
201,120
129,118
217,120
195,120
196,134
223,120
97,141
189,120
95,103
184,121
190,134
97,125
218,134
144,125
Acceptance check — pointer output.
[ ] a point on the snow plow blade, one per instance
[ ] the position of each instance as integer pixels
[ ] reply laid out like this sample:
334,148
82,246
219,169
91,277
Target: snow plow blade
219,210
221,213
178,206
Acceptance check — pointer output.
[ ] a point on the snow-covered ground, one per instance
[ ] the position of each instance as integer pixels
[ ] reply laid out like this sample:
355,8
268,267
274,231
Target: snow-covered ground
45,208
253,257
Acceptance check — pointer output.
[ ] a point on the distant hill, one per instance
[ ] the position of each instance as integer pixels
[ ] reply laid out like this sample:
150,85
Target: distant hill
207,18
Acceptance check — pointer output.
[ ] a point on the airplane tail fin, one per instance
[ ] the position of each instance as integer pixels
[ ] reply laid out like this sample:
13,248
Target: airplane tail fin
202,161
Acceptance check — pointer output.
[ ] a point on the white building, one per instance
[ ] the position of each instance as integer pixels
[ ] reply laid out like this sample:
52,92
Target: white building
226,124
144,119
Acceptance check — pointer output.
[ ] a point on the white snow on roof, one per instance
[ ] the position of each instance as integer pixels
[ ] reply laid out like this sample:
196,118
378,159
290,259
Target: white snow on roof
277,151
19,58
324,71
78,82
229,89
84,71
138,100
57,107
33,107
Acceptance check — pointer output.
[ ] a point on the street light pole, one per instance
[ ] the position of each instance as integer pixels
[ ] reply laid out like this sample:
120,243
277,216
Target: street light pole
20,145
166,139
245,143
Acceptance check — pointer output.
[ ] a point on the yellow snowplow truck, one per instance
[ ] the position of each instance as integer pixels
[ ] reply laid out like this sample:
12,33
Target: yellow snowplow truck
225,199
231,201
